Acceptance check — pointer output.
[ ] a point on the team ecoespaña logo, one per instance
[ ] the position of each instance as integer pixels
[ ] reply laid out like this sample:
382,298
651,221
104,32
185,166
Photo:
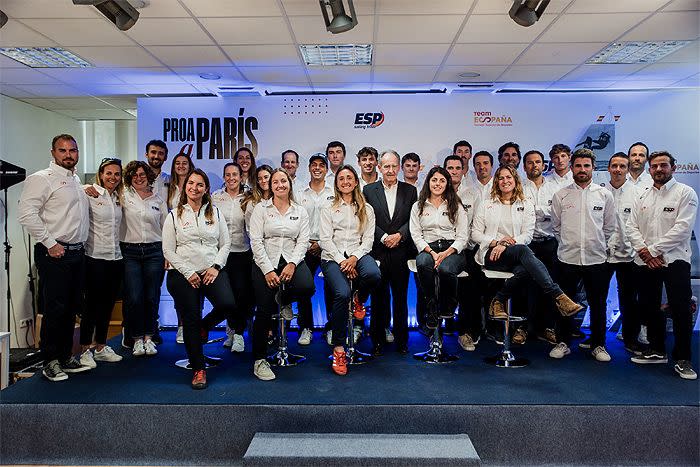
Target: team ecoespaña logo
367,120
687,168
485,118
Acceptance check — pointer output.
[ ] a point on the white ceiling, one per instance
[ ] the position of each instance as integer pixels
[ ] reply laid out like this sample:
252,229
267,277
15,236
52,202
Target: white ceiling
418,45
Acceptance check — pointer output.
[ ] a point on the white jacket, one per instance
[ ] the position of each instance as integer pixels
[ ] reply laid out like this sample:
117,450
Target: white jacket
488,218
274,235
339,235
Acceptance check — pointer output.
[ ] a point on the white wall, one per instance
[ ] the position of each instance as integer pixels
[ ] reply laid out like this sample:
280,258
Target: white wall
25,140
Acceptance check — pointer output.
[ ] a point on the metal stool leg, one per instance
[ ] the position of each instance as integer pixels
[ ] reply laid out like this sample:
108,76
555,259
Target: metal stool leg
436,353
506,359
282,357
352,355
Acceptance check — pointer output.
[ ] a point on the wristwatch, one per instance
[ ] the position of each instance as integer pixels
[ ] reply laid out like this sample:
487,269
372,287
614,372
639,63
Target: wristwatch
216,266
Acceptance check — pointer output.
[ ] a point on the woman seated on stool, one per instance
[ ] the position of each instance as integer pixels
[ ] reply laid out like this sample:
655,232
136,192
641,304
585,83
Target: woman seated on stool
440,230
346,237
196,243
279,236
503,226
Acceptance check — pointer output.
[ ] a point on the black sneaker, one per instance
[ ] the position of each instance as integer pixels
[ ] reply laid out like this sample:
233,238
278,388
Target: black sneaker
685,370
72,365
53,372
585,344
634,348
650,356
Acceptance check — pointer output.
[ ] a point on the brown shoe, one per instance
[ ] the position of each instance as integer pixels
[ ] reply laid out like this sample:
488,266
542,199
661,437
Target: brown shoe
519,337
566,306
199,381
548,336
497,310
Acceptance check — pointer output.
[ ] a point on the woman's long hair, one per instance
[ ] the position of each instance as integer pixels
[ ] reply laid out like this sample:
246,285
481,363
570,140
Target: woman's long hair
358,199
289,181
241,190
449,195
172,186
252,172
206,199
119,189
255,195
518,193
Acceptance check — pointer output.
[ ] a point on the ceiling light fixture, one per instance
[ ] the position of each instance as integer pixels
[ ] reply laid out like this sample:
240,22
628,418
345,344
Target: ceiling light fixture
210,76
527,12
3,18
120,12
636,52
45,57
341,22
336,54
469,74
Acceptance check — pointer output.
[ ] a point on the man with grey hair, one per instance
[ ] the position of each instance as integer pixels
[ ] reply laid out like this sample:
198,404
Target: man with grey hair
392,201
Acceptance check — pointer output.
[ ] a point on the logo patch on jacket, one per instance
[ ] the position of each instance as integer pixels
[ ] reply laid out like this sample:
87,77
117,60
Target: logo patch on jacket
627,210
669,209
521,208
597,208
294,218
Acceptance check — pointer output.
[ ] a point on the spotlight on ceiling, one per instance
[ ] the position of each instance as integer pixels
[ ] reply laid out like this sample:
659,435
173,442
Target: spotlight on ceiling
120,12
341,22
3,18
527,12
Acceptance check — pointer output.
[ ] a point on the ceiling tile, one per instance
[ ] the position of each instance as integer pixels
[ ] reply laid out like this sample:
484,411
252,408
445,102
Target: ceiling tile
663,71
47,9
312,8
617,6
7,62
75,103
489,7
584,27
280,74
535,72
41,102
163,9
121,102
450,74
53,90
83,75
334,74
409,54
191,75
113,57
602,72
147,76
312,30
500,28
248,30
69,32
214,8
110,89
15,92
693,81
667,26
421,7
683,5
560,54
25,76
485,54
689,53
156,89
168,31
416,29
633,84
261,55
407,74
16,34
192,55
581,84
98,114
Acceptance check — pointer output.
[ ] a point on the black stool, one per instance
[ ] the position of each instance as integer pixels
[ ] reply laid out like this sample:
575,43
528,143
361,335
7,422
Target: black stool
282,357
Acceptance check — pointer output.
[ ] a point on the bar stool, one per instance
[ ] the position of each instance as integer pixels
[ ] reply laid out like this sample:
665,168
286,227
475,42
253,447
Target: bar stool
436,353
282,357
505,358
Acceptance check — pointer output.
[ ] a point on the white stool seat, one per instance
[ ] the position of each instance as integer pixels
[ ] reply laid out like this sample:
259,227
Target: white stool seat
462,274
491,274
412,265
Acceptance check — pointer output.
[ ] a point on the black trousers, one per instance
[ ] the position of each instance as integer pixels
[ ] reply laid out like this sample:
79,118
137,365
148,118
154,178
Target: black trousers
237,268
394,284
541,310
676,278
627,296
300,287
103,280
305,317
188,302
62,283
596,280
470,293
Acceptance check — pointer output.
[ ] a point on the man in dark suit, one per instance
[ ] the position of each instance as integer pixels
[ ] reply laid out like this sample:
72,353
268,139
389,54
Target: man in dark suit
392,201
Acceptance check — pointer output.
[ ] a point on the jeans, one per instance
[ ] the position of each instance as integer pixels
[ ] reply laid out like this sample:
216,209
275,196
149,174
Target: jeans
62,290
103,279
188,300
447,272
143,275
676,278
627,290
300,287
305,318
339,286
237,269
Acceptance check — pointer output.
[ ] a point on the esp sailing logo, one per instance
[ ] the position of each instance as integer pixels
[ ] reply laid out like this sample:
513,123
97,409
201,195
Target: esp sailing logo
366,120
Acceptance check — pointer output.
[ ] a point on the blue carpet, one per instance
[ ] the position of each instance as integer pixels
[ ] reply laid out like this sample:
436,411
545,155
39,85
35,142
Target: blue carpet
391,379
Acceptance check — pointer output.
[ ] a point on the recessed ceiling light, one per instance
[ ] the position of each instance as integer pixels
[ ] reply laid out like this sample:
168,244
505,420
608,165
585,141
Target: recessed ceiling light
45,57
211,76
636,52
469,74
340,54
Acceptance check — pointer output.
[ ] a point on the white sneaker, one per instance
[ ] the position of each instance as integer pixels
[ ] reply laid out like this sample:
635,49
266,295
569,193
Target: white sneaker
618,336
389,336
237,343
261,369
150,347
107,355
86,359
305,337
179,339
229,338
329,337
600,354
642,338
356,334
560,350
139,349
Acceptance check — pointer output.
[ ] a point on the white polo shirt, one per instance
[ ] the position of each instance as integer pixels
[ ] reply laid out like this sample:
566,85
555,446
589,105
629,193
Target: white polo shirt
142,220
434,224
541,198
621,250
274,235
313,202
560,182
105,220
340,234
230,207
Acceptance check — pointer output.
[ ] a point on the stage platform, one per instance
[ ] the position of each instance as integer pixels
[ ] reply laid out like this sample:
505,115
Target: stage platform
142,411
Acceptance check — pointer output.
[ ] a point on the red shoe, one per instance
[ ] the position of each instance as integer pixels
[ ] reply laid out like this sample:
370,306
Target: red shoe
199,381
340,365
358,309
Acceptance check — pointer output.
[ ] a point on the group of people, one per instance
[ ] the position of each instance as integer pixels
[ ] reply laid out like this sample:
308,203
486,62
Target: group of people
557,234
